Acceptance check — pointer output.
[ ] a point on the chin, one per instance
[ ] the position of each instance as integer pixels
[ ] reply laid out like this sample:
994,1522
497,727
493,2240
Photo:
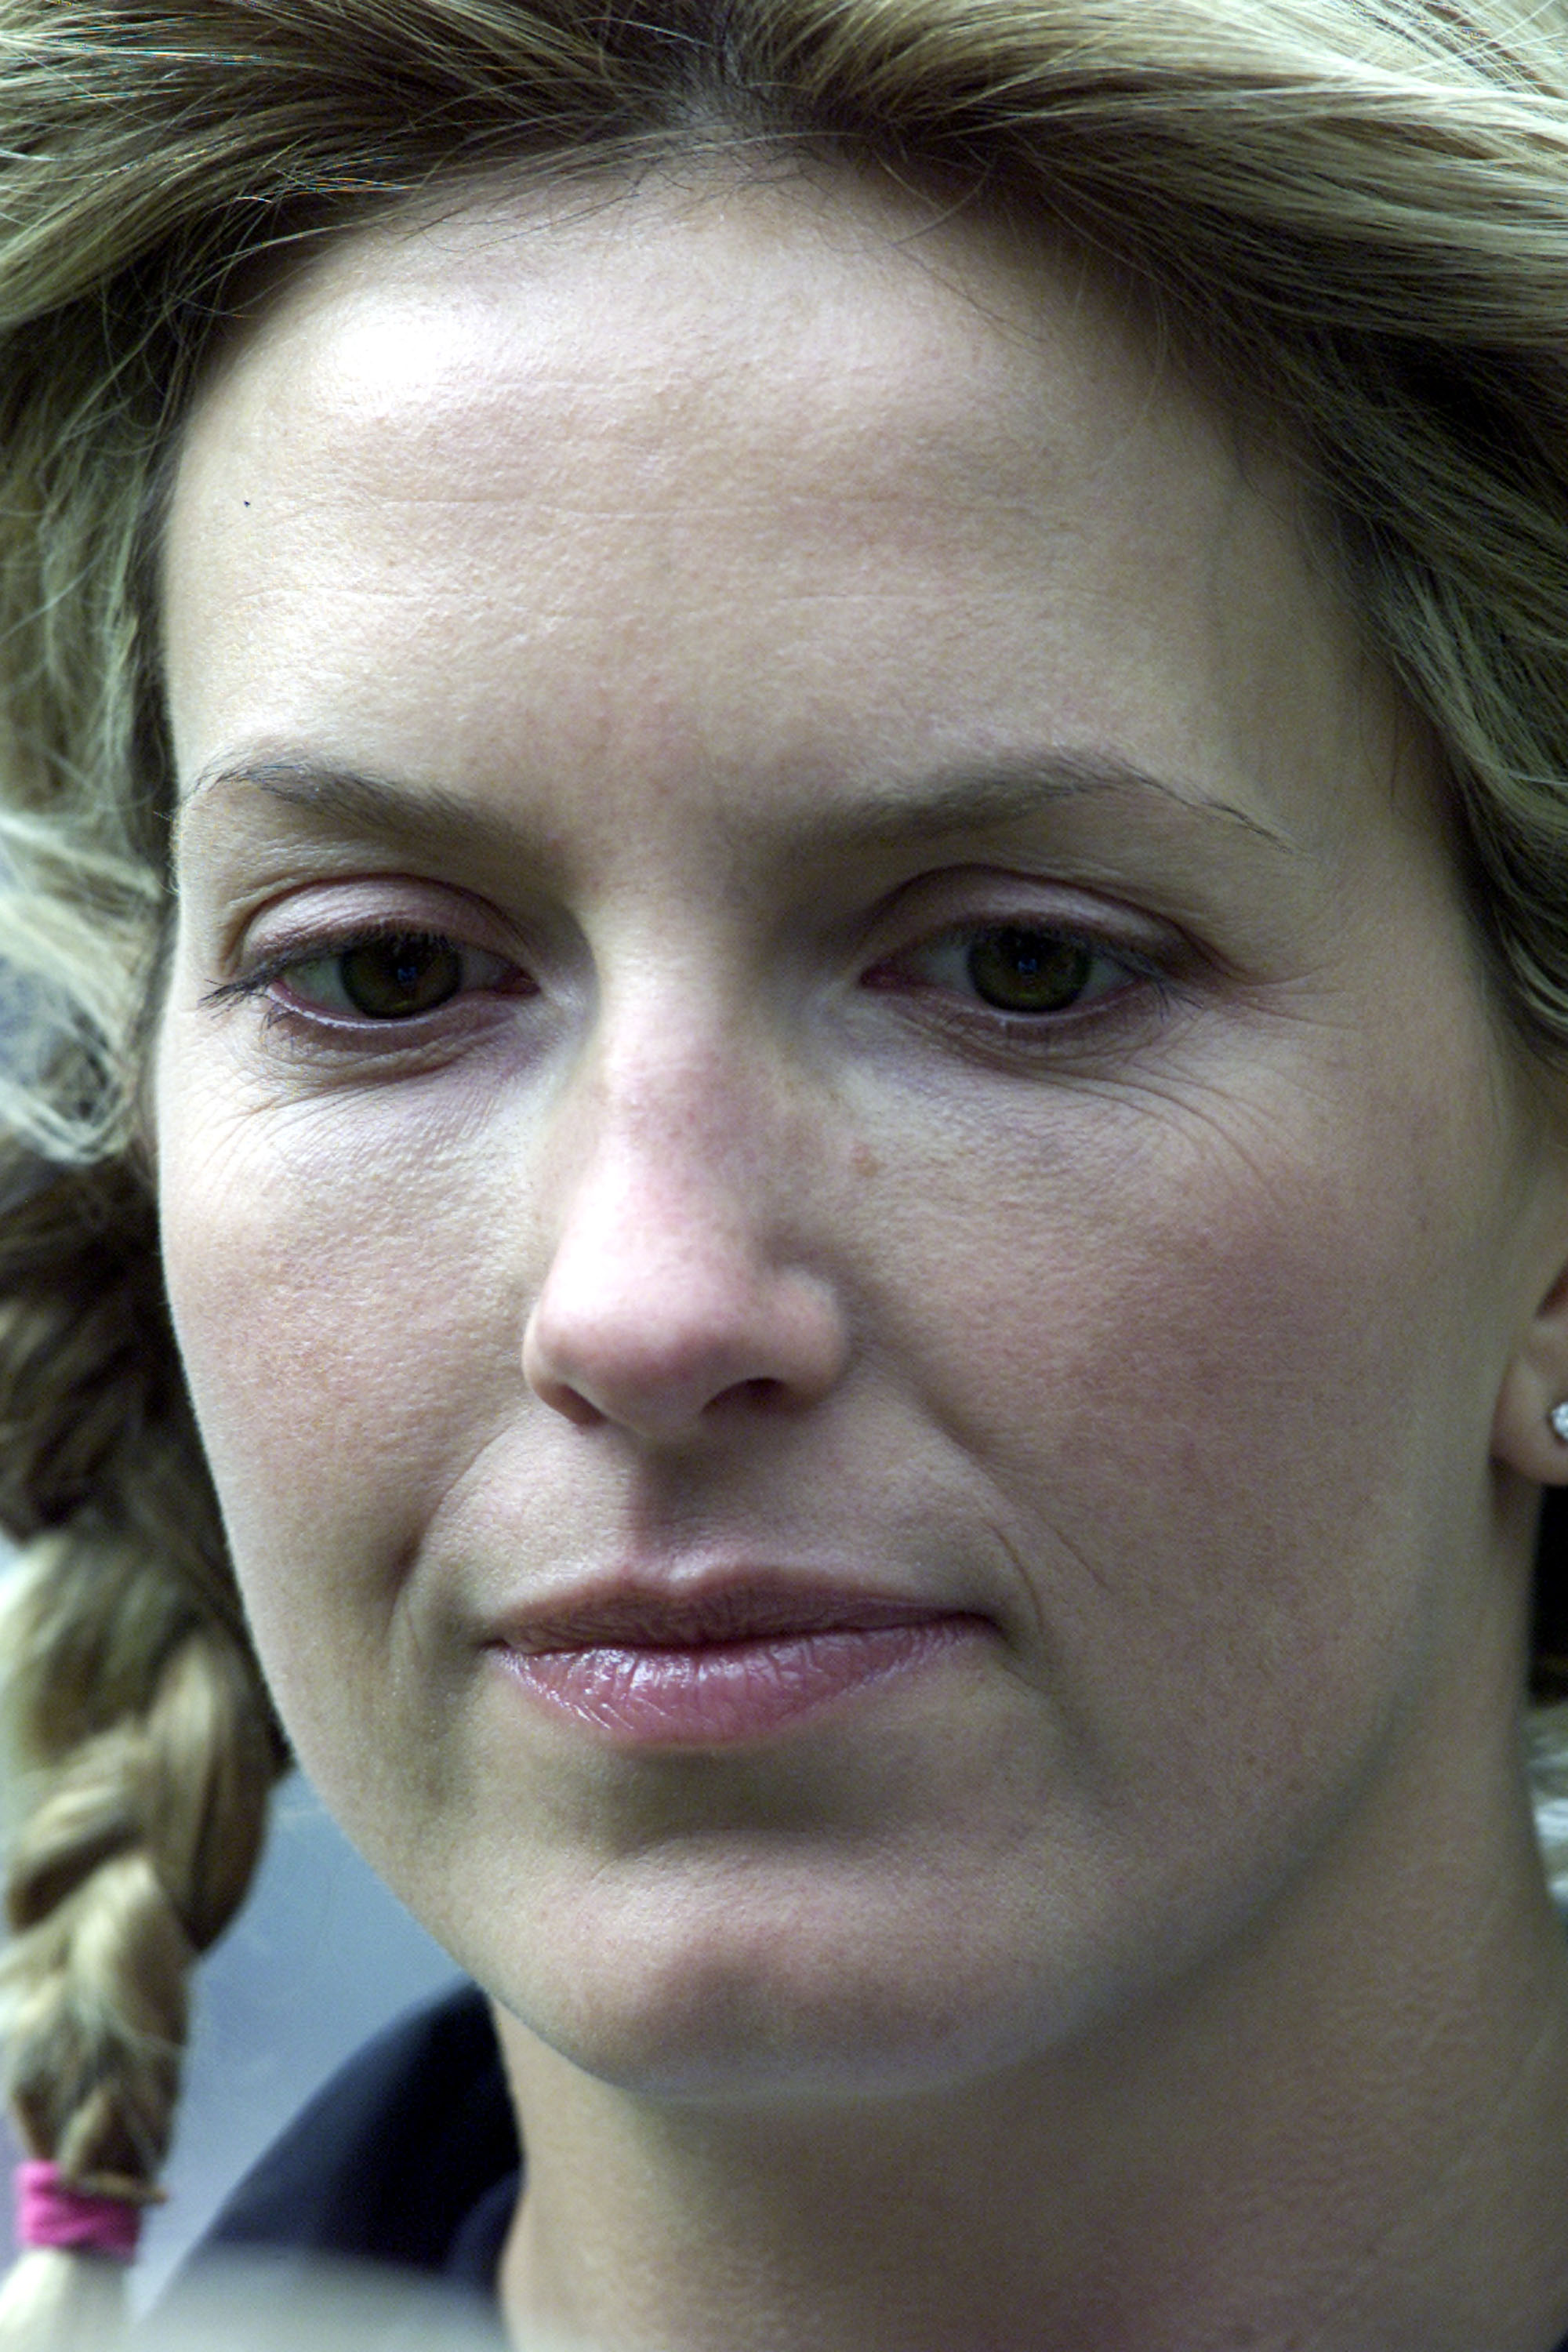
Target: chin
729,2010
747,2045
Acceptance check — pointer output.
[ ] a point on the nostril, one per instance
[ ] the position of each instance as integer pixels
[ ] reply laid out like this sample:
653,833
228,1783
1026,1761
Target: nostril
759,1391
570,1403
617,1338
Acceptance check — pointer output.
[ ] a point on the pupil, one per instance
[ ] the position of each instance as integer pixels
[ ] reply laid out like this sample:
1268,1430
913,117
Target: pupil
1029,972
388,979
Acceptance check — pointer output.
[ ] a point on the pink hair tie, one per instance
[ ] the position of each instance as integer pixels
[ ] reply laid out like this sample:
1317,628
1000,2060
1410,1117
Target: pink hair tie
51,2213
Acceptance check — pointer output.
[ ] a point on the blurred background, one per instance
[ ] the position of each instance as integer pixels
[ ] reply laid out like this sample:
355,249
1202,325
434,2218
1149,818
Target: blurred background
320,1956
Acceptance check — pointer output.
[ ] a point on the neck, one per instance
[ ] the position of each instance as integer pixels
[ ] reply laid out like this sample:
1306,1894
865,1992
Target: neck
1346,2129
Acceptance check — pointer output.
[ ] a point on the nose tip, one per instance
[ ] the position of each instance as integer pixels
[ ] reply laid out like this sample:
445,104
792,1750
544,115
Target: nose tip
660,1353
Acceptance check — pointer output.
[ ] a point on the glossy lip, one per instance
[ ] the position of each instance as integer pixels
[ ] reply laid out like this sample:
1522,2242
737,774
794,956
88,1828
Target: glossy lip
729,1661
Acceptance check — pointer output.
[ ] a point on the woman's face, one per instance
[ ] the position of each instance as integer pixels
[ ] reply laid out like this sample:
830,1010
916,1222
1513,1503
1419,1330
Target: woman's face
844,1218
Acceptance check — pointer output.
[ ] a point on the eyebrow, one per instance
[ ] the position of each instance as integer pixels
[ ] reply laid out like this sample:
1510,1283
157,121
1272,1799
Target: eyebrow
975,795
971,796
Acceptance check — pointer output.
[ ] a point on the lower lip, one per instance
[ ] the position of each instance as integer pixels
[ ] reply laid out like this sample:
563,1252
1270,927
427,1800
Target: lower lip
718,1694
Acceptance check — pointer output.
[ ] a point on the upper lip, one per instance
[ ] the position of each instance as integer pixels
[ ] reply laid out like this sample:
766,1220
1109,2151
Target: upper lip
636,1614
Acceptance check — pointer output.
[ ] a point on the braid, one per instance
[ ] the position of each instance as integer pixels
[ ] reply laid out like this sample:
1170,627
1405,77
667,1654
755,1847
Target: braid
144,1744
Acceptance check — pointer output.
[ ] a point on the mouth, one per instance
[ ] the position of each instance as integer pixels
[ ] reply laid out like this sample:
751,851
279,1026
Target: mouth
725,1663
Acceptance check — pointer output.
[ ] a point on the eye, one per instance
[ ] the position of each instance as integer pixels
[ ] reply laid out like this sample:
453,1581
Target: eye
1021,968
395,976
1023,971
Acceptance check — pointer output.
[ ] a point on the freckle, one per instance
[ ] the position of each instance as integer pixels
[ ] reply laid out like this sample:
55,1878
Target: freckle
864,1160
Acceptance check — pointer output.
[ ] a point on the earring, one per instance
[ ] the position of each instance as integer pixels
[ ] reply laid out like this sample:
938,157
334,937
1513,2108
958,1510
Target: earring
1557,1421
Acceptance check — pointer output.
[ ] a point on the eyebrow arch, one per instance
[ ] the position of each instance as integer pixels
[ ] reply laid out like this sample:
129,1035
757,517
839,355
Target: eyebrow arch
965,797
348,800
975,795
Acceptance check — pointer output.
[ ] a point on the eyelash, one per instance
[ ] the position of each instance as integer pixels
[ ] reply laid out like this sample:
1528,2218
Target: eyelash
1140,973
334,949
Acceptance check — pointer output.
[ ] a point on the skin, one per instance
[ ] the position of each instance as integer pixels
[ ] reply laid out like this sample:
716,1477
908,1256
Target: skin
749,594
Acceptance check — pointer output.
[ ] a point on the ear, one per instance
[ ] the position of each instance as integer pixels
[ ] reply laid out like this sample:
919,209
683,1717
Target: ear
1535,1382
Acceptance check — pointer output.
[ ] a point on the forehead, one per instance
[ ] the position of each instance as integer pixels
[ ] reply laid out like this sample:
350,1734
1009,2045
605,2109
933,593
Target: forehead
639,311
546,465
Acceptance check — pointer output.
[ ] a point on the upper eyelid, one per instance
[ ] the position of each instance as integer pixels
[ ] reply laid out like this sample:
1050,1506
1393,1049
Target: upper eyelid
1101,938
336,940
469,919
408,902
261,974
980,897
330,944
1148,945
1149,959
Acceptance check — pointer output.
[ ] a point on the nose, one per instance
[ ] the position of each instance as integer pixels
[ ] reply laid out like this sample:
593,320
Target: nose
672,1292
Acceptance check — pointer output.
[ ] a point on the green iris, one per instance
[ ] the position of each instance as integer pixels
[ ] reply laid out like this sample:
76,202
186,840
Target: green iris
395,978
1029,972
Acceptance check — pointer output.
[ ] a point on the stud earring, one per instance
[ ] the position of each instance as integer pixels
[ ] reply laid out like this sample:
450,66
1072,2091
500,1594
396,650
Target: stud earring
1557,1421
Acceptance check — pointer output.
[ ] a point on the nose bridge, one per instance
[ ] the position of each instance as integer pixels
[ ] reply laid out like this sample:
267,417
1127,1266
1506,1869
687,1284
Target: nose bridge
678,1119
676,1278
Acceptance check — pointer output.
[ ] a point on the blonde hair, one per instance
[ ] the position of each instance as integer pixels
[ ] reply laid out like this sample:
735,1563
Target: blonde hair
1357,210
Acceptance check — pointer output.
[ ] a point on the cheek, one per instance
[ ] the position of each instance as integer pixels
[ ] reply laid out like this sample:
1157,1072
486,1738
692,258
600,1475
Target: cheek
350,1346
1222,1373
